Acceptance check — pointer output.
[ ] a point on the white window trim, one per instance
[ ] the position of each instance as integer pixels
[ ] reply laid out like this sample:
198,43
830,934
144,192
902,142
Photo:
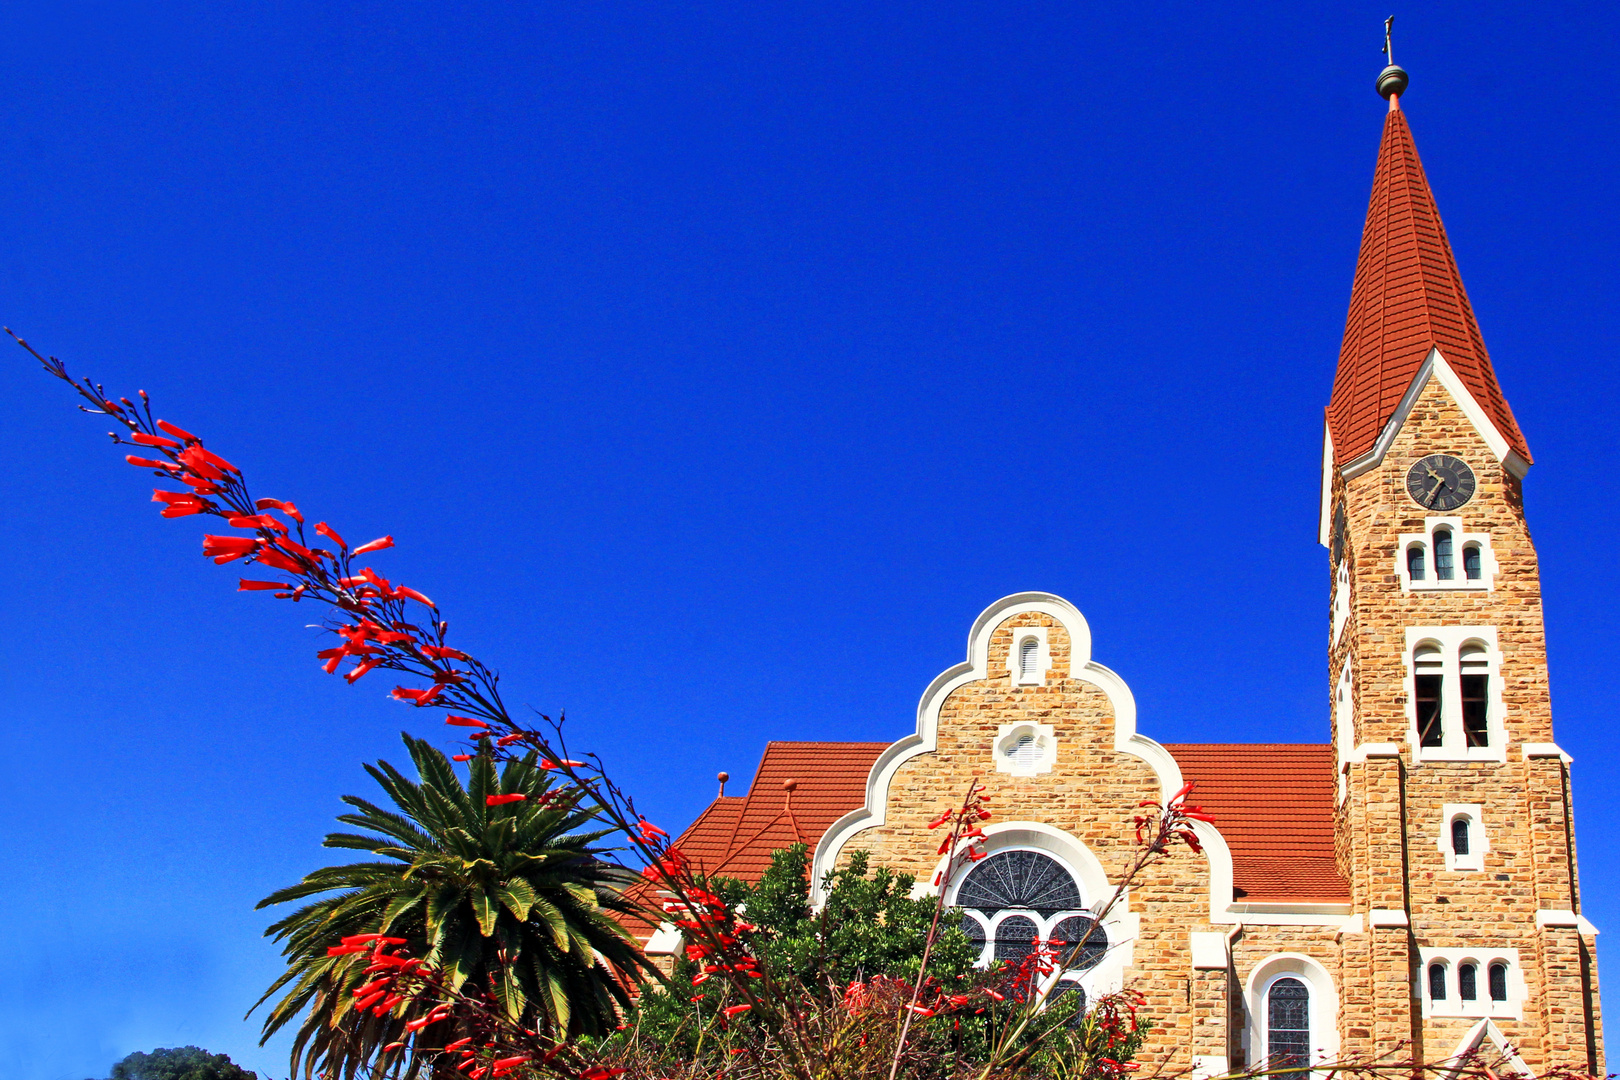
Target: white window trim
1043,656
1482,1005
1341,598
1344,723
1459,541
1478,842
1454,746
1324,1005
1007,736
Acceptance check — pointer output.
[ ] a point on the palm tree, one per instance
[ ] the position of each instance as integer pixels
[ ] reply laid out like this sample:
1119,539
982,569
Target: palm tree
514,899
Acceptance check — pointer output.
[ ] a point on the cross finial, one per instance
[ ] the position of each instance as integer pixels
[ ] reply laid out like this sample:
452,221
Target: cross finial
1389,55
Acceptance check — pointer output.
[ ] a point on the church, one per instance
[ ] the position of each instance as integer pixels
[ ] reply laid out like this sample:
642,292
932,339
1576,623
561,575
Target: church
1408,883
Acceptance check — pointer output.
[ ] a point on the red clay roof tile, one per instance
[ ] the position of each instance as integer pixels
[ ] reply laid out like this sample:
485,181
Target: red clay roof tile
1274,805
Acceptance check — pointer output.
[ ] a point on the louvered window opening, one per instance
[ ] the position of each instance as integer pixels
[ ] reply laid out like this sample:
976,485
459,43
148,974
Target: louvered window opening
1497,977
1430,732
1475,696
1437,982
1459,836
1026,752
1288,1025
1442,555
1029,658
1414,562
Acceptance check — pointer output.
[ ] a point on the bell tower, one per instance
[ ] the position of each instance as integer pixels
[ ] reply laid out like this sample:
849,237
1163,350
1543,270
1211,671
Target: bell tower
1454,825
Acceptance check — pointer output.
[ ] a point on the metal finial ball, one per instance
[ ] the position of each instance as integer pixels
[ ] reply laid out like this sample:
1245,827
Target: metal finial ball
723,777
790,785
1392,81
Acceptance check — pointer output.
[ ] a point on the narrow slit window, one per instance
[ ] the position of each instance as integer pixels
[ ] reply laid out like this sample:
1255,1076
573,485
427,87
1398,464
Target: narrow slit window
1426,686
1459,836
1442,555
1471,563
1414,562
1437,982
1497,977
1029,658
1476,682
1466,977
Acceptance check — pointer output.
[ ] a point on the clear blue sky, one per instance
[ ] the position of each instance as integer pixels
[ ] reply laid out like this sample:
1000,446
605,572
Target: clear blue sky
714,365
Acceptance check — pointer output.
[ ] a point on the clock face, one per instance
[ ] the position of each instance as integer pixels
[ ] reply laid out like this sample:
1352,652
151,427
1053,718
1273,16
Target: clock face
1440,482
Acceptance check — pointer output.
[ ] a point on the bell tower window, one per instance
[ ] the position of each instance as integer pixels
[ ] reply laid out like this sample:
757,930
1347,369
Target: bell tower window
1437,982
1427,561
1428,684
1467,978
1454,694
1442,555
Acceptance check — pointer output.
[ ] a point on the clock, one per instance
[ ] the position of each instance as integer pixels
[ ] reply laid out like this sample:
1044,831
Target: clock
1440,482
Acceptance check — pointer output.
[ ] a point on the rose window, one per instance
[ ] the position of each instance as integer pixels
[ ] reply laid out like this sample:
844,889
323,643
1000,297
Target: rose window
1013,897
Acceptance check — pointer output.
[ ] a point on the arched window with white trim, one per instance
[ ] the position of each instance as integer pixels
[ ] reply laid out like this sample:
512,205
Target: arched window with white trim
1459,835
1475,664
1497,977
1437,982
1428,684
1015,897
1416,557
1468,981
1288,1024
1443,570
1473,567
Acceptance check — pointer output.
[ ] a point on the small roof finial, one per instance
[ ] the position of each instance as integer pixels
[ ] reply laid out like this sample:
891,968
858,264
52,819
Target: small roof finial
723,777
1393,80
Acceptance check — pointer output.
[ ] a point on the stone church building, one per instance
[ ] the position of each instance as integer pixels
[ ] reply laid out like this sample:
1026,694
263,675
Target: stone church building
1410,880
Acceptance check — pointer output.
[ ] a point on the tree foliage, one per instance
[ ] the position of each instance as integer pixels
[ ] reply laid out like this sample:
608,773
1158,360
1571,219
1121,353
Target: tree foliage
514,899
179,1063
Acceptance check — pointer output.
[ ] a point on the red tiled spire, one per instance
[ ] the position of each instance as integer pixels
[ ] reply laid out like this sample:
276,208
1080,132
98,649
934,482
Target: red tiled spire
1408,297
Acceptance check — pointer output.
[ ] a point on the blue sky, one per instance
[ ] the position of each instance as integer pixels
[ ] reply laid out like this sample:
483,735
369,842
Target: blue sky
714,365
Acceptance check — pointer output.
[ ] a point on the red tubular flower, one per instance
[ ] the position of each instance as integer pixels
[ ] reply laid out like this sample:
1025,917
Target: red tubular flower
1182,794
141,438
272,557
920,1011
461,757
367,1002
244,585
942,819
376,545
457,1045
736,1009
148,463
344,950
360,670
225,548
254,521
442,652
176,510
502,800
562,764
213,459
178,432
171,497
464,721
327,532
411,594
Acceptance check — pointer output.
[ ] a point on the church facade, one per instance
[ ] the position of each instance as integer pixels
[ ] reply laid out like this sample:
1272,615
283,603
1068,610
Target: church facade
1410,882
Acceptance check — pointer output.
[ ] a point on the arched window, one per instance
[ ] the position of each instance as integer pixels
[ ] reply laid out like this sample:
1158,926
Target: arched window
1288,1025
1442,555
1467,975
1029,659
1497,977
1033,896
1437,982
1427,665
1414,562
1459,836
1475,664
1471,563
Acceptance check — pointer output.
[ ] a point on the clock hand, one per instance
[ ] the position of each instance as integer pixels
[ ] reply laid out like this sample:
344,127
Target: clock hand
1439,482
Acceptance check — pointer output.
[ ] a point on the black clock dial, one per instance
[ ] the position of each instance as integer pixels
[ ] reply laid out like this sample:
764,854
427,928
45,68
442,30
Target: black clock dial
1440,482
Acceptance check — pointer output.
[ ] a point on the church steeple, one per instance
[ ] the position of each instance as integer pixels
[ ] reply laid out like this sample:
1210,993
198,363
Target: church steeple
1407,300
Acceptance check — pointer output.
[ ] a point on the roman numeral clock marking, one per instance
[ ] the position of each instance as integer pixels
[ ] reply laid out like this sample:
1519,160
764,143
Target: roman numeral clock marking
1440,482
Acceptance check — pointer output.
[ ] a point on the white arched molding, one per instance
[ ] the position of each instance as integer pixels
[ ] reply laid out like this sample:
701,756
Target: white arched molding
1071,853
1324,1005
1082,668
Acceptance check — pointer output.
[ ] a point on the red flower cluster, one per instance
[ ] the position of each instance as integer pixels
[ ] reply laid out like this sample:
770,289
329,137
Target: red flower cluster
1170,822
